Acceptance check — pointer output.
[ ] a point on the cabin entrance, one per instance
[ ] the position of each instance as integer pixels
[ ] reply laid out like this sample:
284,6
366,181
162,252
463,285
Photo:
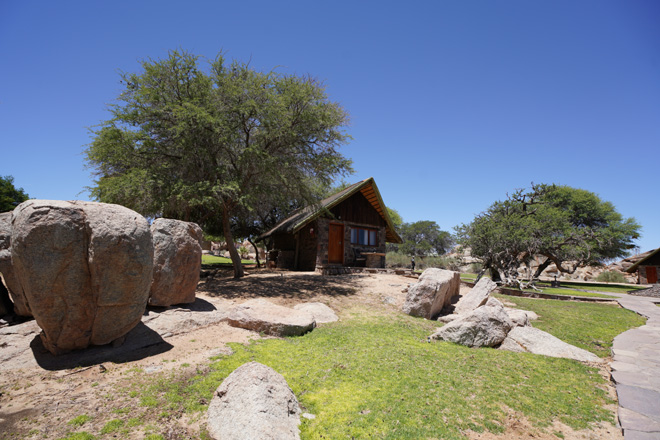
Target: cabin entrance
335,244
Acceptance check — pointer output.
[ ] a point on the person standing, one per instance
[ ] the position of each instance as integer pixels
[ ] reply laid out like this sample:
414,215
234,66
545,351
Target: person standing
412,263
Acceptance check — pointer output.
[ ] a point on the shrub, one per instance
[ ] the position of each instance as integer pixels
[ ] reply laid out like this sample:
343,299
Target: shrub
610,276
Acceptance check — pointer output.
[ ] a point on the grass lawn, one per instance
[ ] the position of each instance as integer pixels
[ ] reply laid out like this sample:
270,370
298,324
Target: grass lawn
569,292
585,325
377,377
593,287
213,260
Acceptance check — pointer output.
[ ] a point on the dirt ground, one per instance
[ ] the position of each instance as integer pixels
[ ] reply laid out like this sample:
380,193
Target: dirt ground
40,394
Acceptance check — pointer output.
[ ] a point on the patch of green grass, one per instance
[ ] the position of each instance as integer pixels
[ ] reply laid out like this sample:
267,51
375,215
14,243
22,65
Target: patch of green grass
568,292
83,435
154,437
80,420
586,325
377,377
112,426
471,277
597,287
222,261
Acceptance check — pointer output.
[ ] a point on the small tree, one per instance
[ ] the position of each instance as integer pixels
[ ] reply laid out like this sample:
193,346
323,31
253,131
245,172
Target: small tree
10,196
424,238
206,145
566,226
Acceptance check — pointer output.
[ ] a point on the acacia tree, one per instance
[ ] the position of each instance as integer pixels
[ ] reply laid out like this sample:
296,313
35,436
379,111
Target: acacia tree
202,145
566,226
10,196
424,238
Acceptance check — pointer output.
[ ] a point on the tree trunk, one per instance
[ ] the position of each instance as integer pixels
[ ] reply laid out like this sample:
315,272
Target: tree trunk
541,268
256,252
233,253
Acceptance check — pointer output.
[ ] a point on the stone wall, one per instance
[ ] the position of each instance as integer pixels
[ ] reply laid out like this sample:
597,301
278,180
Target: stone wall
642,274
349,248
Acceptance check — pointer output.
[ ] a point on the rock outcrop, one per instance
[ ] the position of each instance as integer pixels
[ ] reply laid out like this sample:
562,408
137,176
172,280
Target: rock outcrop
321,313
486,326
254,402
177,262
533,340
261,315
476,297
433,291
85,270
12,284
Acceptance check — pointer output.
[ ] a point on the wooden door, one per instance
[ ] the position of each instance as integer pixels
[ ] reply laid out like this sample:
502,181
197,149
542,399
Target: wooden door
335,244
651,275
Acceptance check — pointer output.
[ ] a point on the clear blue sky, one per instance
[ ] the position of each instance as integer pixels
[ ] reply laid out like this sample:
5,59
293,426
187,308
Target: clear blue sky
453,103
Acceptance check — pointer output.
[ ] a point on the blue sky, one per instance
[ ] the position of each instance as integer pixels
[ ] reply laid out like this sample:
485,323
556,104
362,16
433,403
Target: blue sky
453,103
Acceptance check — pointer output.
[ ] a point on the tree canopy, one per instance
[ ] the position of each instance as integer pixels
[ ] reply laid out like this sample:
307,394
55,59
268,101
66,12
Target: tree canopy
566,226
202,145
424,238
10,196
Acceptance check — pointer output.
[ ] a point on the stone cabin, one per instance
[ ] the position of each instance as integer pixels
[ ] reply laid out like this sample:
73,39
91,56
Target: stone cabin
348,229
647,268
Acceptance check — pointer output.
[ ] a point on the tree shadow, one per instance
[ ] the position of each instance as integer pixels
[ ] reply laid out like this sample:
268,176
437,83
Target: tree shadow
200,305
290,285
140,343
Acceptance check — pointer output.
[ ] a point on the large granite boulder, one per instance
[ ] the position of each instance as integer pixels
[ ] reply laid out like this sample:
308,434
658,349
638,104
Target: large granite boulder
13,286
476,297
177,262
486,326
85,269
533,340
254,402
261,315
432,292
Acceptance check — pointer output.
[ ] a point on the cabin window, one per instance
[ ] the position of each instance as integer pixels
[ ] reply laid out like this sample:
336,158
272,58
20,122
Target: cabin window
367,237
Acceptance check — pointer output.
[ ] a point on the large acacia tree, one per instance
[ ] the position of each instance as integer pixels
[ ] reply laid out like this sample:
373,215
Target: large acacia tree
566,226
205,142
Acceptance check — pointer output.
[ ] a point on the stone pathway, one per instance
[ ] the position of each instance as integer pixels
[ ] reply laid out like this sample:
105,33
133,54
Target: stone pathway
636,371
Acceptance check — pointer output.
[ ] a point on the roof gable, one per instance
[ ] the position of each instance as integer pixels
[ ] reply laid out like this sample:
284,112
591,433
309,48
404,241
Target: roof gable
651,254
367,187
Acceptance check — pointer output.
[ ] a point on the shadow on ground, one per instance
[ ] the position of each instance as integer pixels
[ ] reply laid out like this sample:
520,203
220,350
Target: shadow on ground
140,343
289,285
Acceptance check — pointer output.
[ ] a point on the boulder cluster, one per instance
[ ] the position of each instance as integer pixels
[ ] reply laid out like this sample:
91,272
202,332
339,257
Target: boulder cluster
85,271
479,320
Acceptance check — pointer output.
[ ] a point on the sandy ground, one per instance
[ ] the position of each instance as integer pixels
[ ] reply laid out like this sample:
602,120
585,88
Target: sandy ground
39,393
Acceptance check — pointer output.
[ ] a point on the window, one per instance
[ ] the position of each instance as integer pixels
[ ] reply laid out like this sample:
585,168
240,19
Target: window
367,237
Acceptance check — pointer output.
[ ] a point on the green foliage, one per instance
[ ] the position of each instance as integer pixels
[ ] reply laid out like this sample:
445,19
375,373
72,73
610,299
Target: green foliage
569,227
424,238
10,196
585,325
611,276
397,221
198,144
377,377
79,420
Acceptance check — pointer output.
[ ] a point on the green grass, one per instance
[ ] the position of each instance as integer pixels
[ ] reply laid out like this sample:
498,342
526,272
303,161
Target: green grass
80,420
377,377
221,261
599,287
112,426
585,325
83,435
569,292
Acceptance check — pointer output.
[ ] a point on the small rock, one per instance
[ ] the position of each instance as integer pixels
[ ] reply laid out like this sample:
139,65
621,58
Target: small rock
483,327
263,316
322,314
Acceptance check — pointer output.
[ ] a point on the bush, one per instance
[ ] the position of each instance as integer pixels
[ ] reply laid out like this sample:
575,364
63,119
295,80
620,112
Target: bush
610,276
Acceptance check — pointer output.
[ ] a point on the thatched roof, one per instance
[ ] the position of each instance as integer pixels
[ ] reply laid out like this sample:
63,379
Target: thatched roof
367,187
645,256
